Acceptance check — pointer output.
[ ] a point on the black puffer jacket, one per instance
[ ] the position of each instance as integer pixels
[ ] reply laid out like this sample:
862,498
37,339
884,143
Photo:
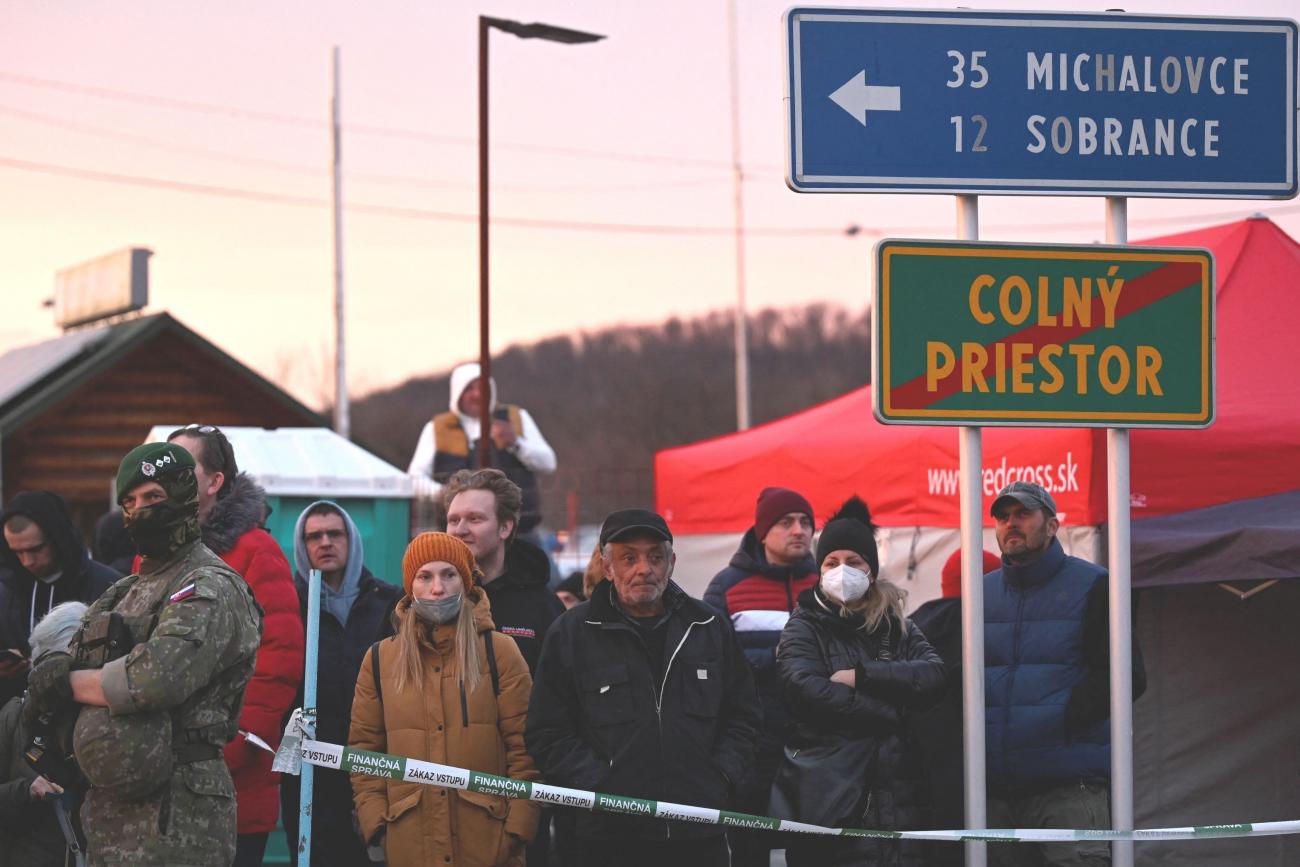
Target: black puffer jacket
897,673
938,730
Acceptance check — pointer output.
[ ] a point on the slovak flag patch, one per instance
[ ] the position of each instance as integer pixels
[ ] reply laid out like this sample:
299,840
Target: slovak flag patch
184,593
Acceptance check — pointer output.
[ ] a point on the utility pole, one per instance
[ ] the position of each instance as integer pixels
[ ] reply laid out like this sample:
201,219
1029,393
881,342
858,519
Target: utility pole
342,413
738,221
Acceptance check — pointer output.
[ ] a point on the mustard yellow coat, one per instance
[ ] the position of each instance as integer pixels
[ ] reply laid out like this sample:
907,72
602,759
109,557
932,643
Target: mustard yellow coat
431,825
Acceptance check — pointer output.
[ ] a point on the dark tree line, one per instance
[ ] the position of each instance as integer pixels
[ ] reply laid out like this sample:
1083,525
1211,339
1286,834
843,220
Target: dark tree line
608,400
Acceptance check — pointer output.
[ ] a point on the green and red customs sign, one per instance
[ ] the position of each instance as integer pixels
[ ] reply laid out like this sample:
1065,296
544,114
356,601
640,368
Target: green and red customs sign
972,333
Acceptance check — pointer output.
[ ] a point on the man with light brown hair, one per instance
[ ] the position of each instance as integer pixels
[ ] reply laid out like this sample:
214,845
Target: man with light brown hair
483,512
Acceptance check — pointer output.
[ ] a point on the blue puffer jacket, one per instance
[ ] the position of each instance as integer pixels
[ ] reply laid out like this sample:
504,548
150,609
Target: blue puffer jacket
1034,658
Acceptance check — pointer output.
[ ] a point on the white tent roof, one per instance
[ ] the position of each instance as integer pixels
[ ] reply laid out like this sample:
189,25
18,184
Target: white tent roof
308,462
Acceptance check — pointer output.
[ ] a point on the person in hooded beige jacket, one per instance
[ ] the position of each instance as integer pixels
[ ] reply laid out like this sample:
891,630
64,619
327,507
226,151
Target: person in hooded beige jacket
438,701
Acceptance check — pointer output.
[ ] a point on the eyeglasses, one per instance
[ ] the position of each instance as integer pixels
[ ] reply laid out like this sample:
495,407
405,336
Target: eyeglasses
205,429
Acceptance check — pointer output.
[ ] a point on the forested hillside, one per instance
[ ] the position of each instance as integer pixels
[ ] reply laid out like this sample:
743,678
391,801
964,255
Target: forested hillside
608,400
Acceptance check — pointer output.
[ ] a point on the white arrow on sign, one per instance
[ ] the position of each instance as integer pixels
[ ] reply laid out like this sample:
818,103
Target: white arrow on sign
857,97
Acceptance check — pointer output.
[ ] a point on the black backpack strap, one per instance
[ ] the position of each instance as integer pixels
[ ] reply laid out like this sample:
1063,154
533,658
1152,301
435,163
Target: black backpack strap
492,663
374,671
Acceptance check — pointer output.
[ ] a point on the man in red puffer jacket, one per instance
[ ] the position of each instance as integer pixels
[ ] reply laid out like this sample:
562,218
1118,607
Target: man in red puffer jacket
232,509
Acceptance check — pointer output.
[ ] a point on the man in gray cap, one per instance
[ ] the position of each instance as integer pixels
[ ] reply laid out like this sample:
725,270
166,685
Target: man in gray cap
1047,685
155,679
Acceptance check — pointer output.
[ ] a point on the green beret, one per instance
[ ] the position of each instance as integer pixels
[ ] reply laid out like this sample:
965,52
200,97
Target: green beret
151,462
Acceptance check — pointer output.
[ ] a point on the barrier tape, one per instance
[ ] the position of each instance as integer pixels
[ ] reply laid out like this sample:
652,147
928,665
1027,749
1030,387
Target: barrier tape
355,761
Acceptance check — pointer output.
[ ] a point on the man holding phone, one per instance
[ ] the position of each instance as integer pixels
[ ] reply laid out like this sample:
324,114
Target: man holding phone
43,562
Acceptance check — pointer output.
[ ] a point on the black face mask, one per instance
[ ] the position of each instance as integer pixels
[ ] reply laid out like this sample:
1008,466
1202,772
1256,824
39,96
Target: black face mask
162,529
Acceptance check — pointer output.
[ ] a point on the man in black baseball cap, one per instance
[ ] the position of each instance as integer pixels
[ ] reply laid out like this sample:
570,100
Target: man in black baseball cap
627,523
643,691
636,548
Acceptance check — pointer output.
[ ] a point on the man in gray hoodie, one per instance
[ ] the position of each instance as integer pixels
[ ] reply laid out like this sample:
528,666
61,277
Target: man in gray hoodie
355,612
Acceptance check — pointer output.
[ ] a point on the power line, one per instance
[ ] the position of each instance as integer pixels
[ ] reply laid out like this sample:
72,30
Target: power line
662,229
150,142
300,169
301,122
393,210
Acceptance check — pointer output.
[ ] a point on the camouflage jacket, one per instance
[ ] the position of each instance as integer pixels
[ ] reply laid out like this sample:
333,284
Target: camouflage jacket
195,628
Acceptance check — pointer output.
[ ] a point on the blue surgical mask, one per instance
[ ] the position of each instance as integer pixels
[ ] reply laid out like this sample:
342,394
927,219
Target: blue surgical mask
437,611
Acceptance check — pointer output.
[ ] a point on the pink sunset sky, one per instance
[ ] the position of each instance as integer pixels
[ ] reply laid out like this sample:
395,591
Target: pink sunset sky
201,132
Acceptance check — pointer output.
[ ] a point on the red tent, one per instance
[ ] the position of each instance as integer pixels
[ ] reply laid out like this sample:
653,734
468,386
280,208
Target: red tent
1208,506
909,474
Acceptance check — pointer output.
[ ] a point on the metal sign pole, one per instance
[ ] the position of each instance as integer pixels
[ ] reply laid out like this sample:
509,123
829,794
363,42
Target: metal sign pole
971,456
309,715
1121,615
484,260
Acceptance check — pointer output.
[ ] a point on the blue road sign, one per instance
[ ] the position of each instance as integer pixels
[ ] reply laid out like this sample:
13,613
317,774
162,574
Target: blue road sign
1039,103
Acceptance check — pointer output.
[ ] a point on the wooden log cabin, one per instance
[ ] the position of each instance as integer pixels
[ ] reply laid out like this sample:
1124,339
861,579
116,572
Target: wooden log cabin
72,406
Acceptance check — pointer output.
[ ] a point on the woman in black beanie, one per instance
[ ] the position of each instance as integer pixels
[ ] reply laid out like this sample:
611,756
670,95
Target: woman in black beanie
853,668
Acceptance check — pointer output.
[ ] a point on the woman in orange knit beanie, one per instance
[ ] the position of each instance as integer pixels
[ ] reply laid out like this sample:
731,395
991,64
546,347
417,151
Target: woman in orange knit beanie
450,690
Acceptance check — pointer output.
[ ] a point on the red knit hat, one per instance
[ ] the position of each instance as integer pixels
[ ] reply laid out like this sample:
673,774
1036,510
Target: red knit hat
434,547
774,504
950,578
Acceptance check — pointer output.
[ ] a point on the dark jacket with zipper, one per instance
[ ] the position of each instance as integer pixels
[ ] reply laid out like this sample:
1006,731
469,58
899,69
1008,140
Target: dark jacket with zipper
600,720
897,673
23,599
522,606
342,648
757,597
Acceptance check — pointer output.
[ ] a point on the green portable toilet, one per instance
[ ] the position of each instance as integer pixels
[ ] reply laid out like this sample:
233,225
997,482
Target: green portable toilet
298,465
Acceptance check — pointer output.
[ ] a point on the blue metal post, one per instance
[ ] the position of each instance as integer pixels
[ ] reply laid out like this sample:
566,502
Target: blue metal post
309,715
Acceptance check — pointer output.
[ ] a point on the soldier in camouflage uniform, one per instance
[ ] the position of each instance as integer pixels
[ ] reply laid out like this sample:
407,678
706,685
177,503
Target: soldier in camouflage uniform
156,676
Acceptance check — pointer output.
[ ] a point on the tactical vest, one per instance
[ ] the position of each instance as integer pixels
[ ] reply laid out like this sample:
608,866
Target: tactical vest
201,725
453,452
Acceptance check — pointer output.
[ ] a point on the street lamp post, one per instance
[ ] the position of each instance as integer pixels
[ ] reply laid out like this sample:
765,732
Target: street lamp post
534,30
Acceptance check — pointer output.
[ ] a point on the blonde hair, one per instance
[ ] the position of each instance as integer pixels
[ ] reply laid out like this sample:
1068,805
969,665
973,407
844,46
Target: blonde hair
595,572
409,664
884,597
